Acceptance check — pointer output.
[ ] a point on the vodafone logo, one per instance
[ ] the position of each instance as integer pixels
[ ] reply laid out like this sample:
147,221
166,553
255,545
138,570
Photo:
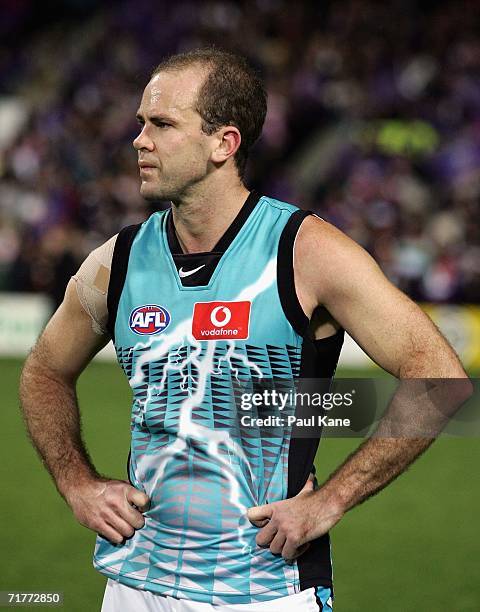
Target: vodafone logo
221,320
227,315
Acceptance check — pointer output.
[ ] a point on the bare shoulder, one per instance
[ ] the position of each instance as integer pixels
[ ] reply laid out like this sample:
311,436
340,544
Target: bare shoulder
95,270
325,260
77,330
325,257
334,272
315,231
92,280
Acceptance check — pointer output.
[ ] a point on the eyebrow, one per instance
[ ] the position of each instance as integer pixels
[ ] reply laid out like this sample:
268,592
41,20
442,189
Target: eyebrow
153,118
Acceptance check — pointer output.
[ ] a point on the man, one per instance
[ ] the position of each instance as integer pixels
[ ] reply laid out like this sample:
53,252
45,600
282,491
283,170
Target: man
218,516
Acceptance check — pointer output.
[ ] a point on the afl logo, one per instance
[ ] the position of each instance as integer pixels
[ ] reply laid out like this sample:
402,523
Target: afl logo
148,320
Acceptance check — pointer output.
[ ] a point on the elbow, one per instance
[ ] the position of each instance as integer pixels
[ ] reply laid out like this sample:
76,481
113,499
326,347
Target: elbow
432,365
37,374
31,368
467,388
460,390
26,374
450,394
461,385
442,382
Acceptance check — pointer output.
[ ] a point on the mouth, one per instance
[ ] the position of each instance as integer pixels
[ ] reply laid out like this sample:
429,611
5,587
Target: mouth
145,169
145,164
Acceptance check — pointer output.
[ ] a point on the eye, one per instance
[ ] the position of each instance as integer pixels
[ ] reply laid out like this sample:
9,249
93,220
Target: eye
161,124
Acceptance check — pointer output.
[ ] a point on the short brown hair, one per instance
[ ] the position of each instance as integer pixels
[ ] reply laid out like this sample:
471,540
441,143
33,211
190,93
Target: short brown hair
232,94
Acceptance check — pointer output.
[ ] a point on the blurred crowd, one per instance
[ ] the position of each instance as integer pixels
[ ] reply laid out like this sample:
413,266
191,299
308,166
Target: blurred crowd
373,122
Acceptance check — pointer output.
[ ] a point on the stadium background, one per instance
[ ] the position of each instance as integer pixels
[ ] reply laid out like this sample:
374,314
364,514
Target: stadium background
373,122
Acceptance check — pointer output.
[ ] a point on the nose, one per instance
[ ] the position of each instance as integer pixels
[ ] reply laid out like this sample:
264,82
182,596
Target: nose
142,141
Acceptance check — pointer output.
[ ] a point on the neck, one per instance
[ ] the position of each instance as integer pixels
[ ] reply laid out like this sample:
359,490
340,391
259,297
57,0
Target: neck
201,218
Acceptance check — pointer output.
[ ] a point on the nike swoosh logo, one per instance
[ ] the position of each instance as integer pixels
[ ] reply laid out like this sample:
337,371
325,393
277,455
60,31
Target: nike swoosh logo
183,274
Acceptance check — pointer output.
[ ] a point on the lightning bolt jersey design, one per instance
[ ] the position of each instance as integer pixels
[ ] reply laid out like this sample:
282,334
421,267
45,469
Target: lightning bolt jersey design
187,349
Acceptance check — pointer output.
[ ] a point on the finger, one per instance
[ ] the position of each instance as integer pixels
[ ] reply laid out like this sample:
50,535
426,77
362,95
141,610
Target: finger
131,515
260,523
278,542
291,552
139,498
258,514
266,535
108,532
120,525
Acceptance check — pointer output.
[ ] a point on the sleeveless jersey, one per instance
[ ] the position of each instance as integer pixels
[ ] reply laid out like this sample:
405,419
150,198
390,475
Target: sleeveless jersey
189,350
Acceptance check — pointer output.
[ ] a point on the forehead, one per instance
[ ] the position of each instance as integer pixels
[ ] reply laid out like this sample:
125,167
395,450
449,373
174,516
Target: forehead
173,92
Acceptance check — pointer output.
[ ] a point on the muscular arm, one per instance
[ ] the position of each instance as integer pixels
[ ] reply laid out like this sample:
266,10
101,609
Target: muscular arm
48,397
50,409
398,336
334,272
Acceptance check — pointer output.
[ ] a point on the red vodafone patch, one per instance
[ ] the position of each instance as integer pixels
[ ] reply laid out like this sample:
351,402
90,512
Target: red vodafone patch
221,320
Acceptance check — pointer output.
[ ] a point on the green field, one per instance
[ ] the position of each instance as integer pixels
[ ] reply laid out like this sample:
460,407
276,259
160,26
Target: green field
415,547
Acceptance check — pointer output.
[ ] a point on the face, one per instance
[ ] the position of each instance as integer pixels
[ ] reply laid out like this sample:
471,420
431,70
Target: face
173,152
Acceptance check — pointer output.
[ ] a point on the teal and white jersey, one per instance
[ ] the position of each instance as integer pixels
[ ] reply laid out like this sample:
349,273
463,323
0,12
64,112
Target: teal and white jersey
185,347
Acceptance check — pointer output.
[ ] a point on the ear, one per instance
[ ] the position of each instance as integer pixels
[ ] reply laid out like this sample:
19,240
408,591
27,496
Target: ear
229,139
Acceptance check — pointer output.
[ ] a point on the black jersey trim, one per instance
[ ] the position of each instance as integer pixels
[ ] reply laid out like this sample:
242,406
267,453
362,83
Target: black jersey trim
226,240
173,242
285,277
118,272
208,261
237,224
327,354
318,360
129,458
